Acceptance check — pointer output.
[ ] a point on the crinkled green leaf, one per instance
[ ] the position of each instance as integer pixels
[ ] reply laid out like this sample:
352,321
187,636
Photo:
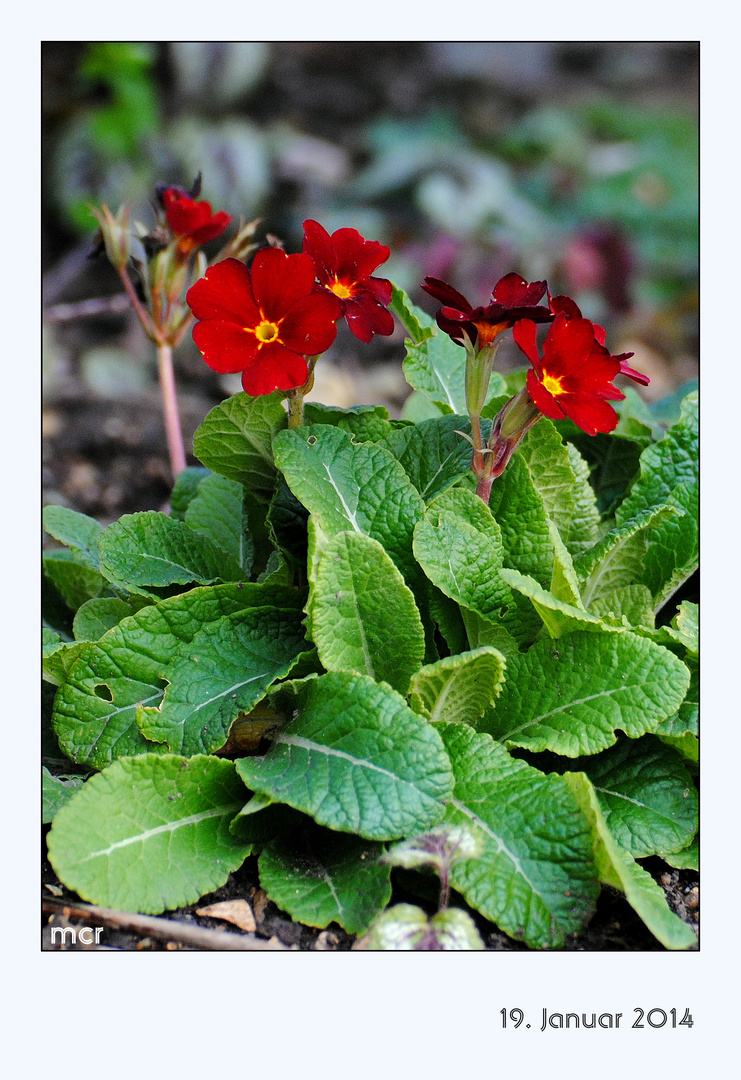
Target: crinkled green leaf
96,710
356,759
618,558
366,423
150,550
686,720
583,529
547,458
619,869
99,615
235,439
57,657
458,544
434,454
363,616
535,877
686,859
225,671
673,554
216,512
665,465
75,581
150,833
627,604
458,688
357,486
55,792
406,928
76,531
438,848
646,796
558,617
184,490
613,461
320,877
571,695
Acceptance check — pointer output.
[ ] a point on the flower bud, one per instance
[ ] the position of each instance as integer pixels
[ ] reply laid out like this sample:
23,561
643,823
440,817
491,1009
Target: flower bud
115,234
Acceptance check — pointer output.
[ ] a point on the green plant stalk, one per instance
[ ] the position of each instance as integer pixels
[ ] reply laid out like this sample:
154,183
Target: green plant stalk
296,397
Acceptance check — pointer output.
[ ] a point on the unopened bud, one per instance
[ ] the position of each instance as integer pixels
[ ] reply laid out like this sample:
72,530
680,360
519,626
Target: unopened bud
115,234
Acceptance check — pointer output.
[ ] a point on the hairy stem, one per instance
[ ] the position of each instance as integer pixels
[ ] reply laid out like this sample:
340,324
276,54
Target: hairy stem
170,408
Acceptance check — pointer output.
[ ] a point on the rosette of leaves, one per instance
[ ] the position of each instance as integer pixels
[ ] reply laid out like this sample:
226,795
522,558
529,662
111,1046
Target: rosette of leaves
330,646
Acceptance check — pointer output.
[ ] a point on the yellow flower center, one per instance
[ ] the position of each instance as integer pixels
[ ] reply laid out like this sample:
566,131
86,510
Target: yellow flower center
266,331
340,289
552,385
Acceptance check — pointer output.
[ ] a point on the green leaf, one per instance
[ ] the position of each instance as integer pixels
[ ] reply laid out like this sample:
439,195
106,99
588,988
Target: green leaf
558,617
406,928
150,833
614,464
216,512
617,868
618,558
55,792
686,720
434,454
363,617
436,366
458,544
674,553
367,423
320,877
225,671
665,465
572,695
96,710
357,486
75,581
76,531
535,877
356,759
440,848
150,550
547,458
235,439
458,688
584,527
96,617
57,657
646,796
416,322
686,859
186,485
630,605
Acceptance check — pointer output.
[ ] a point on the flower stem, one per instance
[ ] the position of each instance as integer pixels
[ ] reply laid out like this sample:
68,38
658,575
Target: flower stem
170,408
144,317
443,870
296,407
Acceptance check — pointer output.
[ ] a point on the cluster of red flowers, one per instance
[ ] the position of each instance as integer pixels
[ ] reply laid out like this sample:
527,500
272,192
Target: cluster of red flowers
574,376
264,321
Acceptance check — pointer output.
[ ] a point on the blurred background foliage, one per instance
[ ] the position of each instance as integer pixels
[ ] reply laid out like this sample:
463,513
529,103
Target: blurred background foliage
572,161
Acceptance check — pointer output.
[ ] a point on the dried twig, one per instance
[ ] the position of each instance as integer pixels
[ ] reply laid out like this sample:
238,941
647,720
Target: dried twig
198,937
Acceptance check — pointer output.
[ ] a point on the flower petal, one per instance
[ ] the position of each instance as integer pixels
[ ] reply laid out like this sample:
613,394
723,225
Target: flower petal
309,326
525,334
544,401
365,318
356,258
224,293
590,413
513,291
318,244
446,294
274,367
279,280
225,346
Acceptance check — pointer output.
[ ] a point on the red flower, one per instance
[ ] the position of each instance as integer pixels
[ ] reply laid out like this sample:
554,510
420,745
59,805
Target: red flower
566,305
512,297
574,376
263,321
192,221
344,262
